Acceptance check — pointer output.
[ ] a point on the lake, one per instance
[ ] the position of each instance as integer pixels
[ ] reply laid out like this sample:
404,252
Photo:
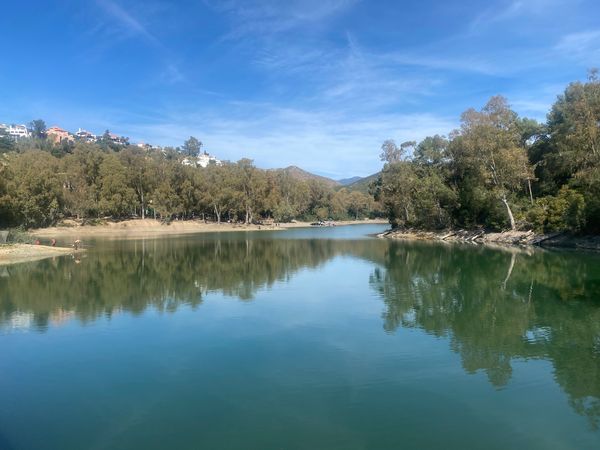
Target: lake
300,339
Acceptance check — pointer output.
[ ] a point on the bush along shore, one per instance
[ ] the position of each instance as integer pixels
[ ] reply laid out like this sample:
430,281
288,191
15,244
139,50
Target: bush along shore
514,238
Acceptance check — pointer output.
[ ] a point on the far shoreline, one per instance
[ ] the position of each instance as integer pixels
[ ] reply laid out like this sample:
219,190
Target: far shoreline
151,228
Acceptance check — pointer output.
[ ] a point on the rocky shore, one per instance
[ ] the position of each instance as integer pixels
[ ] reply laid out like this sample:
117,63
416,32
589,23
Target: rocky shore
511,238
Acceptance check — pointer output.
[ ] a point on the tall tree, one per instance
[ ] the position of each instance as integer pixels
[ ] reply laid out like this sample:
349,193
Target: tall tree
38,129
141,173
217,189
488,145
191,147
117,198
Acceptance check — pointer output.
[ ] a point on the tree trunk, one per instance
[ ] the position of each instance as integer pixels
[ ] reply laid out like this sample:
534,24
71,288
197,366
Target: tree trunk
143,207
510,269
218,213
510,214
530,191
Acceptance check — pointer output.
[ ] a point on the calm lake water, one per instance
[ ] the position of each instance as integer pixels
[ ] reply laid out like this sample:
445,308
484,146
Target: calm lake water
303,339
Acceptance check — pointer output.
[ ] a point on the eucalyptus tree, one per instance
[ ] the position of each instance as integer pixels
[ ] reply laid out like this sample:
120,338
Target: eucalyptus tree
142,174
217,188
117,197
250,187
573,152
488,146
34,189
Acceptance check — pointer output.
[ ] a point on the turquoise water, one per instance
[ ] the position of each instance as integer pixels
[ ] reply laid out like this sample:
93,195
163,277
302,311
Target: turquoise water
303,339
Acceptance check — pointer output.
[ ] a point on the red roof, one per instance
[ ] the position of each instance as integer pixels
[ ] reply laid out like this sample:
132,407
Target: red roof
59,129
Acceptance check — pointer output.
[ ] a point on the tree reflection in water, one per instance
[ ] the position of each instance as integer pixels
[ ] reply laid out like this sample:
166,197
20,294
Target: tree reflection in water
498,306
134,275
494,306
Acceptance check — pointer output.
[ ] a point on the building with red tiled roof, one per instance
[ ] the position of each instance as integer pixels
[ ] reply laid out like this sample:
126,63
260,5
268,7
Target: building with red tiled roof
57,135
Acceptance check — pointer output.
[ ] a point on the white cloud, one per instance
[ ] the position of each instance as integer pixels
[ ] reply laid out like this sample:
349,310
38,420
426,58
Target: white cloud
583,46
324,141
126,21
273,16
525,9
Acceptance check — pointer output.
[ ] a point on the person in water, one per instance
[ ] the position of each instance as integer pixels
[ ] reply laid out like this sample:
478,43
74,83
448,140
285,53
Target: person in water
76,244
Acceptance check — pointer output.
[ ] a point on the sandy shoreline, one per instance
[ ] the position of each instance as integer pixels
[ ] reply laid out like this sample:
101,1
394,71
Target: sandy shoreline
18,253
139,228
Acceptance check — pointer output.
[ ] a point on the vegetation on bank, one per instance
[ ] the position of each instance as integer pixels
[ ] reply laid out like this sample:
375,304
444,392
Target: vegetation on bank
42,183
497,171
501,171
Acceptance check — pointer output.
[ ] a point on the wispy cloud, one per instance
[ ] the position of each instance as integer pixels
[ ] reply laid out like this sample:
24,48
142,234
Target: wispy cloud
171,74
513,9
277,137
121,23
583,46
350,77
127,22
267,17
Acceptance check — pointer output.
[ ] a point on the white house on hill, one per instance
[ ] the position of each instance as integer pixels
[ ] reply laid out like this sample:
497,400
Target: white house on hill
202,160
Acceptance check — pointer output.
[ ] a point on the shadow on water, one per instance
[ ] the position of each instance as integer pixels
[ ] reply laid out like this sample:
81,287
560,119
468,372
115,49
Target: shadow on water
495,307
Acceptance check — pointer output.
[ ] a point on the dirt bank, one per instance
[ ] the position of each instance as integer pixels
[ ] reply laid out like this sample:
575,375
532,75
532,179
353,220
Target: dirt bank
139,228
17,253
519,238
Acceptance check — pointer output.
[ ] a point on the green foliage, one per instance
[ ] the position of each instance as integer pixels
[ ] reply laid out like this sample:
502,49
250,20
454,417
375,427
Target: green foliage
37,188
33,190
38,129
191,147
7,143
116,196
488,173
496,171
565,211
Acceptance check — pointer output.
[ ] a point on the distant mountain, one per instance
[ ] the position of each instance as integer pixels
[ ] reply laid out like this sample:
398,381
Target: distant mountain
347,181
362,184
300,174
352,184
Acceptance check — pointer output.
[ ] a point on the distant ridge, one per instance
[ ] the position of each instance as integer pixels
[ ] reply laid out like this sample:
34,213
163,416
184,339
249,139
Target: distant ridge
300,174
362,184
347,181
352,184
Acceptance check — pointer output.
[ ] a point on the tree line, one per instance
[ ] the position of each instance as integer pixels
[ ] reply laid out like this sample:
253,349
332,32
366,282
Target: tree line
42,183
497,171
501,171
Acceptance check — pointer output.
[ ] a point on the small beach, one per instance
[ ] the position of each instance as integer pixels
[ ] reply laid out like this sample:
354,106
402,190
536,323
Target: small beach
18,253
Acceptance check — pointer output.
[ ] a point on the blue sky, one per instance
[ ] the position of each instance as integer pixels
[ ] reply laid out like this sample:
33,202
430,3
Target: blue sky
315,83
